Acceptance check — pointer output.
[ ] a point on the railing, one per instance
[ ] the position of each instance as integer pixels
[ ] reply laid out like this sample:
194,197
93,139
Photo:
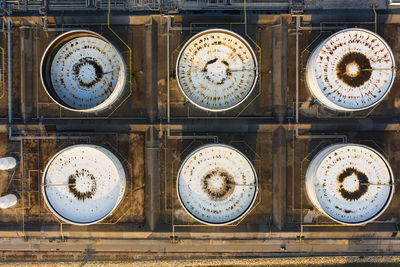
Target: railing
137,5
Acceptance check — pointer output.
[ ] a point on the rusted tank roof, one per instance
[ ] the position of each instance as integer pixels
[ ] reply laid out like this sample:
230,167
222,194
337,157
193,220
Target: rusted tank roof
82,184
217,184
216,70
353,69
350,183
82,71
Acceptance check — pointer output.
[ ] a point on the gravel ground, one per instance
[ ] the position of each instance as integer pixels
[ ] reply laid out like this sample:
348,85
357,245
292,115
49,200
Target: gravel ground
303,261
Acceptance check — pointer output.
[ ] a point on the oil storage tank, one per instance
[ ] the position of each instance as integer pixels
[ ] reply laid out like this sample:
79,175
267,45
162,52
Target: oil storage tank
351,183
351,70
216,70
82,71
82,184
217,184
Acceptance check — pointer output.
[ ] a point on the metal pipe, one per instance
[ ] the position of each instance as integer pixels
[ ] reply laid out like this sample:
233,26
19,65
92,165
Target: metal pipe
322,136
297,71
189,137
168,55
375,18
55,137
317,28
25,72
38,176
22,187
9,50
37,68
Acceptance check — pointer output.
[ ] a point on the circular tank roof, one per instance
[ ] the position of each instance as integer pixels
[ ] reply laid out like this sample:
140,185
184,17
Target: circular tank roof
82,71
82,184
217,184
350,183
216,70
352,70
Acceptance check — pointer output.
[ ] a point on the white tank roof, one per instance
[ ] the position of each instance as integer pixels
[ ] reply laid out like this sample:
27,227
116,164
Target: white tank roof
217,184
82,71
82,184
350,183
216,70
352,70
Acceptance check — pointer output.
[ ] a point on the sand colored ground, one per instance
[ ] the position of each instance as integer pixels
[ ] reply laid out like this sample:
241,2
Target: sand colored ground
291,261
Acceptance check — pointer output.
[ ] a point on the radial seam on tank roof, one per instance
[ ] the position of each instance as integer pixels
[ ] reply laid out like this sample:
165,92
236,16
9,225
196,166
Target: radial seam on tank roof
348,60
352,184
209,67
222,175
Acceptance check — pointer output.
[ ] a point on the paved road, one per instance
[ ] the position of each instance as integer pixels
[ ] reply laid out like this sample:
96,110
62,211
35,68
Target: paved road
201,246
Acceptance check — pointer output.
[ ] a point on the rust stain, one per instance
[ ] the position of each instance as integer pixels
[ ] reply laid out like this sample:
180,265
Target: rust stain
72,179
362,184
91,62
359,60
224,190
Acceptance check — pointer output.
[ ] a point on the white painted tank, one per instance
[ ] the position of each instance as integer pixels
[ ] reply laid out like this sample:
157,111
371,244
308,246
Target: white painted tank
82,71
350,183
216,70
83,184
217,184
352,70
8,201
8,163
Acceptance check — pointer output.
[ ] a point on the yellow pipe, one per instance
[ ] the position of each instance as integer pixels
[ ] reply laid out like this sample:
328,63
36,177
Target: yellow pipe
2,76
61,231
375,18
23,217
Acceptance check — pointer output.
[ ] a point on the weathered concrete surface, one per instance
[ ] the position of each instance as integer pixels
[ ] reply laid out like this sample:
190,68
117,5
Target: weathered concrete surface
26,72
152,180
279,69
279,177
151,70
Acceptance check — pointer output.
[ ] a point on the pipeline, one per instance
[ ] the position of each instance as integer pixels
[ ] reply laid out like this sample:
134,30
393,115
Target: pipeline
53,137
9,50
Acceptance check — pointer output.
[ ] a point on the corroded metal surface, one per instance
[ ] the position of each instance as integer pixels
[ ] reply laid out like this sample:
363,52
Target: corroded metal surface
216,70
351,70
217,184
82,184
352,184
87,73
